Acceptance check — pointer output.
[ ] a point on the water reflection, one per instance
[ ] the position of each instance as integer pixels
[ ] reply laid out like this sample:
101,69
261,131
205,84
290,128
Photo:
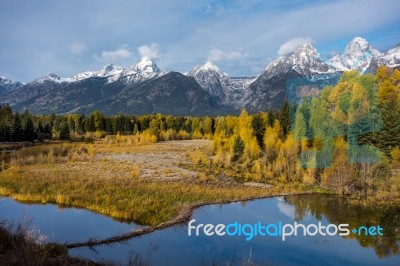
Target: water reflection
338,210
175,247
286,208
62,224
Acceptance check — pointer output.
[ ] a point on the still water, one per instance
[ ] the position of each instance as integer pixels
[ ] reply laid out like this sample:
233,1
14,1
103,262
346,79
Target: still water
173,246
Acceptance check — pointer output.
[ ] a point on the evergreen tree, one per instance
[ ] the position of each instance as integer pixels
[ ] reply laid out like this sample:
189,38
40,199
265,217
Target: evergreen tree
81,124
5,132
89,124
64,131
127,125
71,123
47,130
29,130
389,136
238,147
17,131
40,132
259,123
6,118
271,117
144,122
118,124
284,117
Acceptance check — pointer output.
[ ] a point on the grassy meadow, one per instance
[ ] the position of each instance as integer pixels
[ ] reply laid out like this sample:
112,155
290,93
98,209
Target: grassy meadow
148,184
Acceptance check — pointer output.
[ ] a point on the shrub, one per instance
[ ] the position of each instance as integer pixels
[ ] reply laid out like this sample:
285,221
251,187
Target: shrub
199,158
395,154
135,172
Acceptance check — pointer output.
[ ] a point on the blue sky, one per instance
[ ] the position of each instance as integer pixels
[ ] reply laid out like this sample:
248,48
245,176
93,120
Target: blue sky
241,37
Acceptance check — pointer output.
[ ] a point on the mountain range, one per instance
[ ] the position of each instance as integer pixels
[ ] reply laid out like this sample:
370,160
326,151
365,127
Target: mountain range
205,90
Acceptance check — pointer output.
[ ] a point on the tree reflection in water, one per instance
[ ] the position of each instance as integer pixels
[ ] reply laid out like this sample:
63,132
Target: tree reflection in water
339,210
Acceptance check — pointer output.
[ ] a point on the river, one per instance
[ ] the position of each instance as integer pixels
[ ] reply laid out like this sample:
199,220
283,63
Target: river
173,246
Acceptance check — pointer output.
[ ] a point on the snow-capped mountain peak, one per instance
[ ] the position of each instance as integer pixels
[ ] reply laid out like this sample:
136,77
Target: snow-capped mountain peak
84,75
395,50
357,44
305,54
357,56
209,65
110,70
225,90
210,77
305,60
7,85
52,78
144,69
4,80
392,57
146,65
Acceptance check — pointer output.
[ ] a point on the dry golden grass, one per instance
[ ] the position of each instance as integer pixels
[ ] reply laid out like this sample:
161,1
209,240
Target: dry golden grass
144,183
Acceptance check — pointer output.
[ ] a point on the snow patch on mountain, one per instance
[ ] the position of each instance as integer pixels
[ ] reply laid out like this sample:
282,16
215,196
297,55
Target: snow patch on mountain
391,57
142,70
219,85
7,85
305,60
51,77
357,56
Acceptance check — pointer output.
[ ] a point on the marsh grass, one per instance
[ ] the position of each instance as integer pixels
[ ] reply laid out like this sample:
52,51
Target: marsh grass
122,197
51,153
72,175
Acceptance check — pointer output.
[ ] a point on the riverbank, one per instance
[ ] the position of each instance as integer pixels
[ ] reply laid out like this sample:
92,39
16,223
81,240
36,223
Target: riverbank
19,245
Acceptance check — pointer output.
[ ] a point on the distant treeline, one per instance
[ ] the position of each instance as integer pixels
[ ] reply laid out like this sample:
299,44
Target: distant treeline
16,127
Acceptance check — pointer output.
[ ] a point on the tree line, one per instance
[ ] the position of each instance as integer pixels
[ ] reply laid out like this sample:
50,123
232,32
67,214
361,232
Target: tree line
16,127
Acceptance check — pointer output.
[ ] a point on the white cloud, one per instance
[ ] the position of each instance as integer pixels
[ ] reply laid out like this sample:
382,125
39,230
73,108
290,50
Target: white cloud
214,9
292,45
151,51
122,52
219,55
287,209
77,48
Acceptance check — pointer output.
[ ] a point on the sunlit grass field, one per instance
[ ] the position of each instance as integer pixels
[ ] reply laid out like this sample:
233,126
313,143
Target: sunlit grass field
148,184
